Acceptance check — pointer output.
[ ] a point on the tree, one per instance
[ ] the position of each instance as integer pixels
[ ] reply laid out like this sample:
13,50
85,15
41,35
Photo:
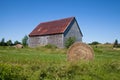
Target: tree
9,43
17,42
94,43
25,40
2,42
116,44
70,41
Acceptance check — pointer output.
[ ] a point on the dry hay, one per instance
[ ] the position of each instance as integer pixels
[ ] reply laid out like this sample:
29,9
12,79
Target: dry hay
116,48
80,51
18,46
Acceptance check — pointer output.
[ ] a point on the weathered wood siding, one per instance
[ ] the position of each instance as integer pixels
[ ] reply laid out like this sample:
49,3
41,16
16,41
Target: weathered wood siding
44,40
37,41
56,40
74,31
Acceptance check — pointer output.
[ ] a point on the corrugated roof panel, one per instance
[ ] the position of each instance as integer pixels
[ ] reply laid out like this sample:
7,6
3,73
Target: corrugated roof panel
51,27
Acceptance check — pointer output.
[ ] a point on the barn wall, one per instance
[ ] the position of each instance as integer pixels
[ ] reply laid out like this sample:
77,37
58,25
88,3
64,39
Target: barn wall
44,40
56,40
74,32
37,41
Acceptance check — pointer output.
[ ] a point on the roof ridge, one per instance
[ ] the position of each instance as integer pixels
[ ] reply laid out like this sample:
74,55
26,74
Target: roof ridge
57,20
68,24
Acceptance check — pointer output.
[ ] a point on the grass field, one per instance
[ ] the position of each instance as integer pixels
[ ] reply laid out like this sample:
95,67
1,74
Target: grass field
51,64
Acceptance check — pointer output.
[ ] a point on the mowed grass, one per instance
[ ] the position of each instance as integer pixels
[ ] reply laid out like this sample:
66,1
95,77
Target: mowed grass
51,64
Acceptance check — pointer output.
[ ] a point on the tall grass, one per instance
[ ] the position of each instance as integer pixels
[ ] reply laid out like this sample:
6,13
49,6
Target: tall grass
51,64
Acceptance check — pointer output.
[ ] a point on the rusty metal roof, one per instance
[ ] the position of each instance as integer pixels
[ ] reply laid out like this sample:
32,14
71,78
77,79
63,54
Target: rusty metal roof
52,27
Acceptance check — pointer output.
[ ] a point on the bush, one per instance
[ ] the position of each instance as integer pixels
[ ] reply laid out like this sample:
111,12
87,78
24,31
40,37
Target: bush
118,45
70,41
50,46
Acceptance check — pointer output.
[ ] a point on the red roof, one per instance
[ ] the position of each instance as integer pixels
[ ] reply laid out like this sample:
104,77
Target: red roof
51,27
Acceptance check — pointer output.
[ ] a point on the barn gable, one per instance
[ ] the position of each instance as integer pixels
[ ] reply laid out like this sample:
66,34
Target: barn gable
73,30
55,32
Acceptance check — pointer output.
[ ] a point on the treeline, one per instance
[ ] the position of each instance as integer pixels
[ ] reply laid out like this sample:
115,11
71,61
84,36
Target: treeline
10,43
115,44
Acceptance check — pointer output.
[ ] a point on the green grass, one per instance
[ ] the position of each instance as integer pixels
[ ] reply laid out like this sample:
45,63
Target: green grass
51,64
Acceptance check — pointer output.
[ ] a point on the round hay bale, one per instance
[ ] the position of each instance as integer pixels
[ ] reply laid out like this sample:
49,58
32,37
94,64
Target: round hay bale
19,46
80,51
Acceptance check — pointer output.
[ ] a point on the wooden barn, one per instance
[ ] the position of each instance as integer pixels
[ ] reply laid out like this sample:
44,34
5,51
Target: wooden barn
55,32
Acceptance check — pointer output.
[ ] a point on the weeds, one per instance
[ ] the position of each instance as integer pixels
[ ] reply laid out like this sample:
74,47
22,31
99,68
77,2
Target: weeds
48,64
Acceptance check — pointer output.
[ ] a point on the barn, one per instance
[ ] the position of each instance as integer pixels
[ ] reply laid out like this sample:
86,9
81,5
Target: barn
55,32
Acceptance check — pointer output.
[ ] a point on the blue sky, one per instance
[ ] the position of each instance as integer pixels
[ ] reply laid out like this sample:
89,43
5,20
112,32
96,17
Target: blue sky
99,20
